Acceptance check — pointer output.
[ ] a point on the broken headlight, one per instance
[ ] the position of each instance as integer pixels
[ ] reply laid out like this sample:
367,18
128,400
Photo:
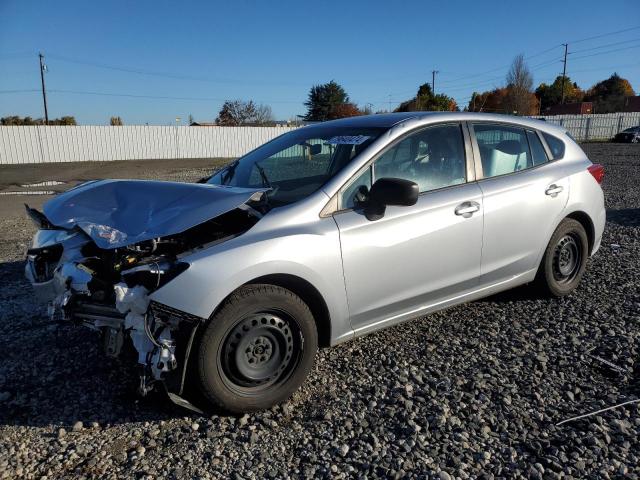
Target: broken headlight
153,274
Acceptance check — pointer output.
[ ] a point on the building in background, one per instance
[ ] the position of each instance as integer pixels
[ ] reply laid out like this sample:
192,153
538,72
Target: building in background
632,104
578,108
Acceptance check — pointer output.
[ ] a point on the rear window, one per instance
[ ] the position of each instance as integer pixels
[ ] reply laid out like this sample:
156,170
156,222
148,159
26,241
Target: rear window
555,145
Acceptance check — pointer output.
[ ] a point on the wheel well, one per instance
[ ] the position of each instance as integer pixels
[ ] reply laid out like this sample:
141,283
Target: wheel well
310,295
586,222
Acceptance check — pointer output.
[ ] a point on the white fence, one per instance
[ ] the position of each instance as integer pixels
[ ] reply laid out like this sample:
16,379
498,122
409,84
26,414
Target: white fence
595,126
40,144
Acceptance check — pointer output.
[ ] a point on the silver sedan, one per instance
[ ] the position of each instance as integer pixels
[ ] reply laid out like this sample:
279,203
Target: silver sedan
326,233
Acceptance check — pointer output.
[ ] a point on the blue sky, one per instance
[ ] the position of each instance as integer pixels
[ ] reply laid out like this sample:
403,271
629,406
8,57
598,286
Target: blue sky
272,52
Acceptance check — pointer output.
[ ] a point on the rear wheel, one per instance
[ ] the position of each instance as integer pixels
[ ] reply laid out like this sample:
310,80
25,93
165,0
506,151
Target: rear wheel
257,349
564,259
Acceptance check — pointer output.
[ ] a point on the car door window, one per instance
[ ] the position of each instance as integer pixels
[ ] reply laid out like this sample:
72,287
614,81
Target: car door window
503,149
538,155
433,157
555,145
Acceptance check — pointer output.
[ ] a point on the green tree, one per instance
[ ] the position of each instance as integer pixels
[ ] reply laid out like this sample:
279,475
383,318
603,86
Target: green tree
66,120
549,95
609,95
328,102
425,100
17,120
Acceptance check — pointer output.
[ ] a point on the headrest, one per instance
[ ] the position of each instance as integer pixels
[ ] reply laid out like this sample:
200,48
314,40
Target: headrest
511,147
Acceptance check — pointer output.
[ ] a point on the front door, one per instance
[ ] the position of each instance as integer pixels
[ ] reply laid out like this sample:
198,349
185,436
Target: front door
413,257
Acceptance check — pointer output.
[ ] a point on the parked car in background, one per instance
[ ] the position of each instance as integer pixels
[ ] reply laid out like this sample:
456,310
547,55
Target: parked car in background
630,135
324,234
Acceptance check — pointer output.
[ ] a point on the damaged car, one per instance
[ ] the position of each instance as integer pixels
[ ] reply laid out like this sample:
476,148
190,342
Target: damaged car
325,233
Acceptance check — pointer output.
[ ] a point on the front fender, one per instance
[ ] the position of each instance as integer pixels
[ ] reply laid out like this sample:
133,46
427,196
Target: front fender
311,253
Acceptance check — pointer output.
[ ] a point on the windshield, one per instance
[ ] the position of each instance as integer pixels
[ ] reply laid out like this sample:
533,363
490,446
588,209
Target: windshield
632,130
297,163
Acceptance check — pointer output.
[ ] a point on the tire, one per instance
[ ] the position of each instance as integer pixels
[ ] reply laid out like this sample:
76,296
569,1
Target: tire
564,260
257,349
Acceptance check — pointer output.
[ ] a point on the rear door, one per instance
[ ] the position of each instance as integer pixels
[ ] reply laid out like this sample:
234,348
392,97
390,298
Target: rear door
523,194
417,256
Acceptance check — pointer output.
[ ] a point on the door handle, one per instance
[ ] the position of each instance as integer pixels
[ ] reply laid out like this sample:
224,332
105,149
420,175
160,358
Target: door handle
466,209
553,189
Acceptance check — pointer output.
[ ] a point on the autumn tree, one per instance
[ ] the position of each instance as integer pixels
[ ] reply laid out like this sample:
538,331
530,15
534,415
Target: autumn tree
425,100
493,101
609,95
115,122
549,95
520,99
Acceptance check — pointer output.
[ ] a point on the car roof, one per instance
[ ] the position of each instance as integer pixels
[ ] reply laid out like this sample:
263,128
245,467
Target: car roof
388,120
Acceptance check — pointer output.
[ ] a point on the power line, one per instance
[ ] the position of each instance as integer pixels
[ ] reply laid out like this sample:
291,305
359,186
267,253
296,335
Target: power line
29,90
529,57
607,68
603,53
158,97
151,73
605,46
604,35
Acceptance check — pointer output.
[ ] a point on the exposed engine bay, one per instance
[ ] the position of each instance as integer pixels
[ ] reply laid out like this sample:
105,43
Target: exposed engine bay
107,289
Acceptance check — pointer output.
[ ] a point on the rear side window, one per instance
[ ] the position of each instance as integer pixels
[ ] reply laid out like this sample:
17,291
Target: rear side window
503,149
538,155
555,145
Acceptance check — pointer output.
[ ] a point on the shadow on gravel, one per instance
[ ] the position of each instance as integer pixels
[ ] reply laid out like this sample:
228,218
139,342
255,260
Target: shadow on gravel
626,217
52,375
518,294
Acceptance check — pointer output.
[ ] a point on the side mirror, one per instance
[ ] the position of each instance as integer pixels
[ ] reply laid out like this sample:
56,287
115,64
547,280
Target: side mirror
390,191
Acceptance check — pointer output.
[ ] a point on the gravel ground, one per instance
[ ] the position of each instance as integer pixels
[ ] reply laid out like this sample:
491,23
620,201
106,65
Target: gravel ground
472,392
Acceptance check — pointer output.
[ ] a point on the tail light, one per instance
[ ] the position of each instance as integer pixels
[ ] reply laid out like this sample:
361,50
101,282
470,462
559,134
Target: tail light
597,171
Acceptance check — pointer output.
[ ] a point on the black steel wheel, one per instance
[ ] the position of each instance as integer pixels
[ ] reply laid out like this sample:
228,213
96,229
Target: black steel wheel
257,349
565,259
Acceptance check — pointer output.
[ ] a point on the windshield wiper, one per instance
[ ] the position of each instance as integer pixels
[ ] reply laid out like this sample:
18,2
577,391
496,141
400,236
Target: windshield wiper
263,176
229,173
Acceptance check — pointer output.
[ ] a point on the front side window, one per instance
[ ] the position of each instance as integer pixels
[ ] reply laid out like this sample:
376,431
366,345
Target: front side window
296,164
433,157
503,149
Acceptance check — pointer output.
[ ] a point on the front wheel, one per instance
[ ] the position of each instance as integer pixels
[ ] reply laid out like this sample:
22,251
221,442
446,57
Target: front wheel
257,349
564,260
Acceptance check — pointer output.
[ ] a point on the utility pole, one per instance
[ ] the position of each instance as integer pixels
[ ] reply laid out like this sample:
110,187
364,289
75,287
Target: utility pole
564,70
389,102
44,91
433,81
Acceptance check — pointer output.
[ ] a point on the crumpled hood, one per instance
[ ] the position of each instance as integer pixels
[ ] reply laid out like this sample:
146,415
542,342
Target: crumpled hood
116,213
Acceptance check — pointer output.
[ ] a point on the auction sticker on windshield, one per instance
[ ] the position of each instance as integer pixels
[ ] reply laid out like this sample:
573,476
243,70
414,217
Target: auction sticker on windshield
348,140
